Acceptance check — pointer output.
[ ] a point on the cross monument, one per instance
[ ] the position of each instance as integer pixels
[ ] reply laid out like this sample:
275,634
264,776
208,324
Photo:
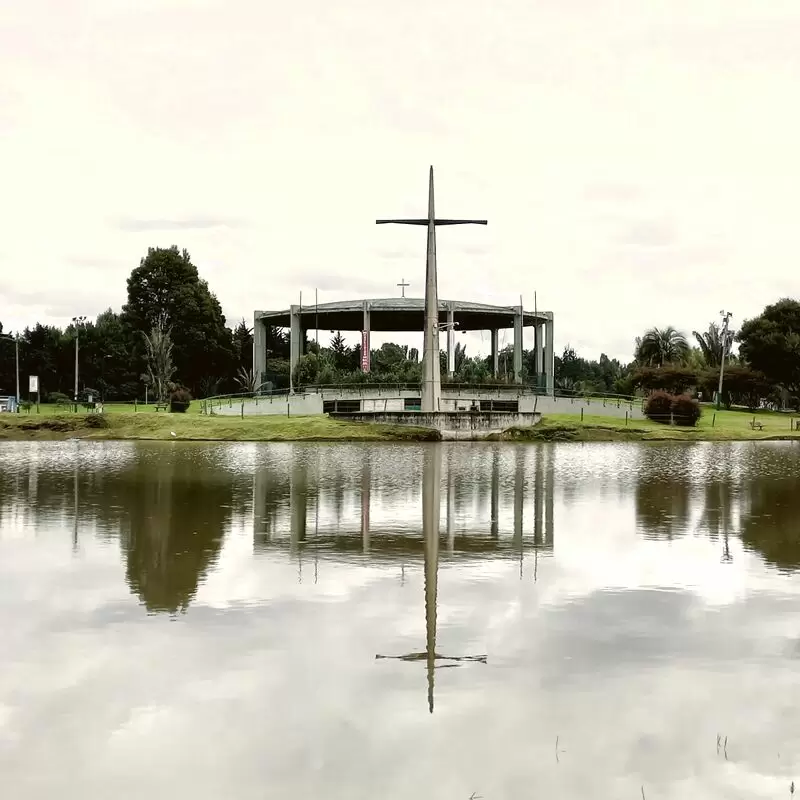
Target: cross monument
431,372
402,286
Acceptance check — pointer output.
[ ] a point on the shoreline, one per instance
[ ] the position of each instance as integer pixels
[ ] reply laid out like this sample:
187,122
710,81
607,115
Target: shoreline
200,428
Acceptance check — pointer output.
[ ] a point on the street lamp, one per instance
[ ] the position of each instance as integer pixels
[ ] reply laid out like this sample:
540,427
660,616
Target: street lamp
726,315
77,321
16,356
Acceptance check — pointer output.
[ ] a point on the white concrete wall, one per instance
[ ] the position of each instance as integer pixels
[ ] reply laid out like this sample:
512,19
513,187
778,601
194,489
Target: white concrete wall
392,400
299,405
594,407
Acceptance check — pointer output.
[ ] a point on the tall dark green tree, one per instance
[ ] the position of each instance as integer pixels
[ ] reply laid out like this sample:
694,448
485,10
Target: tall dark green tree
165,290
243,346
770,343
340,352
47,352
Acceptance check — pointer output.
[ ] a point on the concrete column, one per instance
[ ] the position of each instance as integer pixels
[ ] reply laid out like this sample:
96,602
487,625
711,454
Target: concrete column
549,366
518,347
538,355
451,334
259,348
295,337
495,353
365,340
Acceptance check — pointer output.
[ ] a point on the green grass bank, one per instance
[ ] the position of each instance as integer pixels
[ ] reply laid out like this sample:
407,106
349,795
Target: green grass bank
121,423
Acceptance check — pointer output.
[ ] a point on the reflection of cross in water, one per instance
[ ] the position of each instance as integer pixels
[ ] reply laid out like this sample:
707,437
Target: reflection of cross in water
431,499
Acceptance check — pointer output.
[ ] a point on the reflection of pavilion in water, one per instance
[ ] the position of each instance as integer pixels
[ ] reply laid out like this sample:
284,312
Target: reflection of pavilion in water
398,540
497,502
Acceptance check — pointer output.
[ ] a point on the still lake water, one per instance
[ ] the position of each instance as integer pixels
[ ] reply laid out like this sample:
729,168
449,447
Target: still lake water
399,621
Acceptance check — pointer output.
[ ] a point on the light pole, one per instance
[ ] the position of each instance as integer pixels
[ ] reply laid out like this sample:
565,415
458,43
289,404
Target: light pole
77,321
726,315
15,337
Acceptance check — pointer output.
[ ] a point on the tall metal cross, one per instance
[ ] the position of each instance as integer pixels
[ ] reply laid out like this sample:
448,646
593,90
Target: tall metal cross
403,285
431,373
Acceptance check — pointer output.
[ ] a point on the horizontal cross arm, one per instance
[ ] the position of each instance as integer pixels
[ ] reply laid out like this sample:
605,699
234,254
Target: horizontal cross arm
402,221
435,222
460,222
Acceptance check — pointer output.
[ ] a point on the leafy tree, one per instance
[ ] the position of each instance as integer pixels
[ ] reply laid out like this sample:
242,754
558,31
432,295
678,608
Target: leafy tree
340,352
459,357
770,343
669,378
166,292
243,345
389,358
44,351
661,346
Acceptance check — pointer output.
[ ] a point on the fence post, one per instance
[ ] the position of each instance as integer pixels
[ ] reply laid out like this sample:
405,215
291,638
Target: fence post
713,420
581,413
626,419
242,409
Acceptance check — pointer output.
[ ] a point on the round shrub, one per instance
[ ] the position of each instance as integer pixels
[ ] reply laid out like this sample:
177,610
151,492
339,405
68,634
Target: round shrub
179,401
685,410
659,407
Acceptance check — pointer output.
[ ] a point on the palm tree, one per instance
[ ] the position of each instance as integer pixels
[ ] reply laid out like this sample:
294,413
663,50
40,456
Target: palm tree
661,346
711,344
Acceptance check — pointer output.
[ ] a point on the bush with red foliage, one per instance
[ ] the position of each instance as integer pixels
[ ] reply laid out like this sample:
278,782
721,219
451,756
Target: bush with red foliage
659,407
685,410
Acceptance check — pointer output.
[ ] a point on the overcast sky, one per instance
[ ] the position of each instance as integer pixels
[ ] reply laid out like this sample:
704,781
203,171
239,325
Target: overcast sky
638,162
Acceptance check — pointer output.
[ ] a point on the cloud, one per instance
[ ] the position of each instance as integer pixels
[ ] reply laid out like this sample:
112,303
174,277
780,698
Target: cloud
649,233
198,223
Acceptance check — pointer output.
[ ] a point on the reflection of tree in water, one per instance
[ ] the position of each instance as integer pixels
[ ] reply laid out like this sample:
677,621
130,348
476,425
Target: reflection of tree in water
168,506
663,506
772,522
177,516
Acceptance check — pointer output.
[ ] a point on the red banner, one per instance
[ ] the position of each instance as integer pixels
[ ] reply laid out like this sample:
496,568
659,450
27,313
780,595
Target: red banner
365,351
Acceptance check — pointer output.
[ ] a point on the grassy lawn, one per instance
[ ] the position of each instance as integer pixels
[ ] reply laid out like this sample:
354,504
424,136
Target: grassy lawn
122,423
713,425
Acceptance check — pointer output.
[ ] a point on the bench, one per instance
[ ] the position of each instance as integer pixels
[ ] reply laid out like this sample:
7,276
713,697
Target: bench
757,426
162,406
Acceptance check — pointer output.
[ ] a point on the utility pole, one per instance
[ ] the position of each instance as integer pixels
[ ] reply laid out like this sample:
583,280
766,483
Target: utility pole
726,315
77,321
